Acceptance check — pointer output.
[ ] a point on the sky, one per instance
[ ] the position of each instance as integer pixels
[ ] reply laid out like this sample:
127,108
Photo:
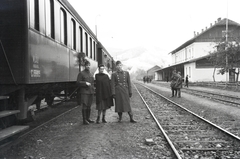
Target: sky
124,24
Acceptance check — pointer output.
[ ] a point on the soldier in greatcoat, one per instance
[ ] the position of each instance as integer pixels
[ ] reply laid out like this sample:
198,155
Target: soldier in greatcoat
178,85
85,82
122,91
173,83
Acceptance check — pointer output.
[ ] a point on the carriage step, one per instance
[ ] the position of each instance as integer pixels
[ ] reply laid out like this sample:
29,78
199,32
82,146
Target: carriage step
4,97
8,112
10,131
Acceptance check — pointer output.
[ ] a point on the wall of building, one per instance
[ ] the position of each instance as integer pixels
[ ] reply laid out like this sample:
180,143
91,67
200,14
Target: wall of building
195,50
201,74
203,49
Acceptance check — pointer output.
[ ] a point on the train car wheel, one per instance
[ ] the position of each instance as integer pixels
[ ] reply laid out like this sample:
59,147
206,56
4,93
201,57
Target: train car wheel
49,100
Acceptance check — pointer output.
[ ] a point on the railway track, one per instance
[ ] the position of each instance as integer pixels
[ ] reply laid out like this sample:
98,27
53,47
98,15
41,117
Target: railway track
226,99
189,135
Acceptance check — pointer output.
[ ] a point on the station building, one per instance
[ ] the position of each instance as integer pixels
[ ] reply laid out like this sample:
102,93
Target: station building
190,58
152,72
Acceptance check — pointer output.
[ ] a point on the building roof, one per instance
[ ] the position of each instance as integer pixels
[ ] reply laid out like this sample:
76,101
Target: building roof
218,23
188,61
156,67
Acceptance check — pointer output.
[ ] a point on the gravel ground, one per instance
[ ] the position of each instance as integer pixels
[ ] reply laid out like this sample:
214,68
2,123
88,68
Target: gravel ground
216,112
67,138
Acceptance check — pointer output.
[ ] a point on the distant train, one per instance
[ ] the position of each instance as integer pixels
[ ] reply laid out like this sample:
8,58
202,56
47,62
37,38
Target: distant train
41,42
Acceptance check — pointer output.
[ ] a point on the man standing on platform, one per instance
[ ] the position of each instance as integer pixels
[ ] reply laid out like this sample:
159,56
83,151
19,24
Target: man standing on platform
122,91
86,83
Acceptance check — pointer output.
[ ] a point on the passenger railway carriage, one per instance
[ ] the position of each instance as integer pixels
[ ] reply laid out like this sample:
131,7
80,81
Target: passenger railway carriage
40,41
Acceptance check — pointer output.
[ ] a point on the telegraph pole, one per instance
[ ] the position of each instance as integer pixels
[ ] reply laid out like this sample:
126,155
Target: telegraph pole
226,44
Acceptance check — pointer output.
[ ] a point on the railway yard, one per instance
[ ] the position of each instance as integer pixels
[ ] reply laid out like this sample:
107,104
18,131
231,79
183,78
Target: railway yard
212,130
57,77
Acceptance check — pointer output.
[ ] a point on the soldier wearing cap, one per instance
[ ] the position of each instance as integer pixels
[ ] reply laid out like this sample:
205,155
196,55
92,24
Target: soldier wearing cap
85,82
122,91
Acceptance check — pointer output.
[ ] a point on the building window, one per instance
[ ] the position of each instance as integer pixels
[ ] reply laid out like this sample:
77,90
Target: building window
73,34
36,15
86,38
186,54
81,39
189,72
190,54
63,26
50,18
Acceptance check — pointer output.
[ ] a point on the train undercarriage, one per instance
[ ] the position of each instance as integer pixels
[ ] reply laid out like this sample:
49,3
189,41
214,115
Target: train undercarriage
16,100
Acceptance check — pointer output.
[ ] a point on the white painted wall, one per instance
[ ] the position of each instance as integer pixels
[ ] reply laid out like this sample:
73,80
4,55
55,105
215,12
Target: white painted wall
202,74
195,50
203,49
158,76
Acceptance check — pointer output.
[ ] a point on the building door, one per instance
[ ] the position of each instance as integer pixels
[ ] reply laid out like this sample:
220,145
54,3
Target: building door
231,75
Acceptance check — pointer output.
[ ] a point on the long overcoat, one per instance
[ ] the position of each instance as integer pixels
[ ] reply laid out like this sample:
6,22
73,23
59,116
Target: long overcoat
83,77
103,90
179,82
121,88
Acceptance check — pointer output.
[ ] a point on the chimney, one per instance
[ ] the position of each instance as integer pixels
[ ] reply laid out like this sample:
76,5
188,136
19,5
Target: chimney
215,22
194,34
206,28
219,19
197,33
202,30
210,24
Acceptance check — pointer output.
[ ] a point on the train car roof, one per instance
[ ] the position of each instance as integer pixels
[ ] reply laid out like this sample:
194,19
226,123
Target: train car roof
77,16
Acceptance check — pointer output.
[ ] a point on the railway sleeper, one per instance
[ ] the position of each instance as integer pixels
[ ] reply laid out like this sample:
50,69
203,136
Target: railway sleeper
205,149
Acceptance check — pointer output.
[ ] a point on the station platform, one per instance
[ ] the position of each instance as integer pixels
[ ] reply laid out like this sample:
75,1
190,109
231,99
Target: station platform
219,90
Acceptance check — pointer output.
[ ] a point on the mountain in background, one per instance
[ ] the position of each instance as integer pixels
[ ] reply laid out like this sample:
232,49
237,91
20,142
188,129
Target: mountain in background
141,58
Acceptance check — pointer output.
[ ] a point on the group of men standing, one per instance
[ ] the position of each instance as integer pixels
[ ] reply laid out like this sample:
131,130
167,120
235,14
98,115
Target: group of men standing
117,88
176,83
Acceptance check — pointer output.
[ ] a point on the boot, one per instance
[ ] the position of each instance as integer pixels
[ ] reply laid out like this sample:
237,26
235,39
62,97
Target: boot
120,117
88,116
172,93
103,119
131,118
98,118
85,122
179,94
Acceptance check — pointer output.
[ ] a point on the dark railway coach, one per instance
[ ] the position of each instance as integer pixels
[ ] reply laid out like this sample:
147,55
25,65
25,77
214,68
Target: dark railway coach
40,41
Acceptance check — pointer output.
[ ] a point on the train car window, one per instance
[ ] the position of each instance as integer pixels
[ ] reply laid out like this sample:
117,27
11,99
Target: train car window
32,14
36,15
94,50
81,39
73,34
63,26
86,38
50,18
91,48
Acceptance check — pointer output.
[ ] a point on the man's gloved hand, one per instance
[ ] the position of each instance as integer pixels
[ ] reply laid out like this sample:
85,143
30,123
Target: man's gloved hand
130,95
88,84
114,96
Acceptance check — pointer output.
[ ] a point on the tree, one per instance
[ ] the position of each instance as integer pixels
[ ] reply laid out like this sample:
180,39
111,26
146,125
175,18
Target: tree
139,74
226,56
